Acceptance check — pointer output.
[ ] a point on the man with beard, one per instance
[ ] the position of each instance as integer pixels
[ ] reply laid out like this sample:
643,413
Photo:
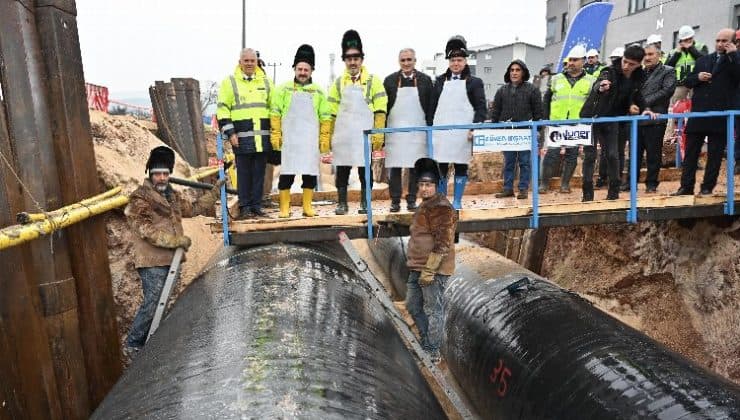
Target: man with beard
155,213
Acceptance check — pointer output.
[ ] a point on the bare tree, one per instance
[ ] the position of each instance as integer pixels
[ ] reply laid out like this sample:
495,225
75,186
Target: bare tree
208,94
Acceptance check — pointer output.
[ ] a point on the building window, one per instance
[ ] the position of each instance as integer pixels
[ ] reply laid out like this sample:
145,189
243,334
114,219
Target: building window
737,16
488,56
488,86
636,6
487,69
564,26
551,28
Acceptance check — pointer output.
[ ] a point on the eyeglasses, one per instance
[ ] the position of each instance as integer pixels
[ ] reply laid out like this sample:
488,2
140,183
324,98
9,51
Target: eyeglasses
403,60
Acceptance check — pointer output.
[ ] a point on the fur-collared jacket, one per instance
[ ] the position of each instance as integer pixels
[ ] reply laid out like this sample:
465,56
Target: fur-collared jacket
156,220
433,230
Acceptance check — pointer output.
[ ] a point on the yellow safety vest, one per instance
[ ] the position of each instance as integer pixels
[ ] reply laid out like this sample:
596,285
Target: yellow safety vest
375,95
686,61
567,100
284,95
241,100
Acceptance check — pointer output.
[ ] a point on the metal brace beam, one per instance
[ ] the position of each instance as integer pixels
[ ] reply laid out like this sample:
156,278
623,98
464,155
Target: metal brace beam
403,329
169,284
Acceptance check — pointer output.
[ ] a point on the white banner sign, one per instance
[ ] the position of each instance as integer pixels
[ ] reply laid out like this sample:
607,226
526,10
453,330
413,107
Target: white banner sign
502,139
568,135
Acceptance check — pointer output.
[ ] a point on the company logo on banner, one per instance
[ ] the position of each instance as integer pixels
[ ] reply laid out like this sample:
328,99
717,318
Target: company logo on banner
502,140
568,135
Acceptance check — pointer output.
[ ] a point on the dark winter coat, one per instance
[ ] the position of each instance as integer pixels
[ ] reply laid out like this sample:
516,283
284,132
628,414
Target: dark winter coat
716,95
521,102
423,85
433,230
474,86
611,103
657,90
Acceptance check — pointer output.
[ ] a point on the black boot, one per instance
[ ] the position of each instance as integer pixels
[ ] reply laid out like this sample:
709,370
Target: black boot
395,205
411,202
568,169
613,192
342,207
363,203
588,191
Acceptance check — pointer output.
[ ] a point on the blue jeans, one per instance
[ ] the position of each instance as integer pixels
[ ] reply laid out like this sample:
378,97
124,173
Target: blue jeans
426,306
152,282
525,170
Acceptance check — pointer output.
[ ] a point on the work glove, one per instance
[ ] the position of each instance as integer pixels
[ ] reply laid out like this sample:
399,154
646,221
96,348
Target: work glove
183,242
325,131
208,199
430,269
167,240
276,132
378,139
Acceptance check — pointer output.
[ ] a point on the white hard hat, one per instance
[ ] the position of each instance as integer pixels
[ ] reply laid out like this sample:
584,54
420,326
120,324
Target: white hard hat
592,53
578,51
685,32
617,52
654,39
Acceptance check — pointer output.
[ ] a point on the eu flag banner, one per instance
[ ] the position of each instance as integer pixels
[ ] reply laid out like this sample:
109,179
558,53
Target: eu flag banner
587,29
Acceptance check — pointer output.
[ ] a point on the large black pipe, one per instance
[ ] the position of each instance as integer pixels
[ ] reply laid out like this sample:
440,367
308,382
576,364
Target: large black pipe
528,349
390,253
280,331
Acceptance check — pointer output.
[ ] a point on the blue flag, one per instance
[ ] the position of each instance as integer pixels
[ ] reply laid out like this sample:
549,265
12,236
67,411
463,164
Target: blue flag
587,29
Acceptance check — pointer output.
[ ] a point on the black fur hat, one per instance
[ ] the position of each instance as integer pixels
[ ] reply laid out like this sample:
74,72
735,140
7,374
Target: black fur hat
351,39
161,157
305,54
456,47
427,170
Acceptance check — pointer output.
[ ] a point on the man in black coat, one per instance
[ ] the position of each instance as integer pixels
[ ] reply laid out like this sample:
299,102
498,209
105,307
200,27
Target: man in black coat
615,93
517,100
449,109
406,113
657,90
715,81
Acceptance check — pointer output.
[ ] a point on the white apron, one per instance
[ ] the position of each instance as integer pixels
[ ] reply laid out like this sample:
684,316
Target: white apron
453,146
300,151
353,117
403,149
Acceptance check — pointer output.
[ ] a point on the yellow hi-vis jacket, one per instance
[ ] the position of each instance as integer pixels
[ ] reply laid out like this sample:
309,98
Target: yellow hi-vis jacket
281,100
567,100
244,109
375,95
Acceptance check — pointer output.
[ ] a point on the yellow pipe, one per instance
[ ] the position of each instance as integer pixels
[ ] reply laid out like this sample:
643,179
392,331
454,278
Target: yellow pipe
18,234
71,214
26,218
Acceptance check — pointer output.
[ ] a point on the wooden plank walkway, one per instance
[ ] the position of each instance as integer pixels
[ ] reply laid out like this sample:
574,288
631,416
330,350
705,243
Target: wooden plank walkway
570,213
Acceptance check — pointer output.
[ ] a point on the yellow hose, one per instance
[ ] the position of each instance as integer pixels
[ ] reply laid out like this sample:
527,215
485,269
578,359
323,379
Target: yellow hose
18,234
44,223
25,218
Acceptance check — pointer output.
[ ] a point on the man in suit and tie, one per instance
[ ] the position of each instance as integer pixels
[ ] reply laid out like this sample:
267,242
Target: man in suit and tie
715,80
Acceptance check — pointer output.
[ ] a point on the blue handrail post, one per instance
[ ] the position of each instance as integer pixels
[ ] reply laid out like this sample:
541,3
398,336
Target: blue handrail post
679,131
534,157
368,185
430,143
730,203
222,175
632,213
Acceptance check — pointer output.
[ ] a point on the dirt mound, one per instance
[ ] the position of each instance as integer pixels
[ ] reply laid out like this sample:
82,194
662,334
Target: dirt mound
122,145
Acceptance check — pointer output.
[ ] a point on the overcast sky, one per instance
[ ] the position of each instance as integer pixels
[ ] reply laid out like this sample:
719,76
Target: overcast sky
127,45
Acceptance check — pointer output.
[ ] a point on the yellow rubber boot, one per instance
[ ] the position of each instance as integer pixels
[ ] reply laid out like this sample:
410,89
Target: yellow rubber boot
307,198
284,204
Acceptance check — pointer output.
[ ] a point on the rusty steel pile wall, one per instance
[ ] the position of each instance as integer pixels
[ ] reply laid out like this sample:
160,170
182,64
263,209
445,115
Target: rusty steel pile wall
177,109
59,351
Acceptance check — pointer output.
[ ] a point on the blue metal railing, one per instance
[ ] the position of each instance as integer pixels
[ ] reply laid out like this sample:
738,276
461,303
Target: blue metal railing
221,175
729,207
